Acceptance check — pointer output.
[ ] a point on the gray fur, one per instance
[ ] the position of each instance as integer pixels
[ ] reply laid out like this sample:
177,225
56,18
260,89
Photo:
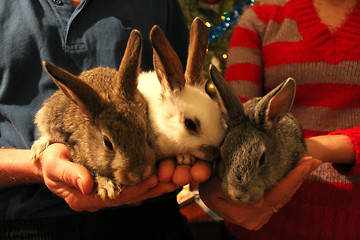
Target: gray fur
259,126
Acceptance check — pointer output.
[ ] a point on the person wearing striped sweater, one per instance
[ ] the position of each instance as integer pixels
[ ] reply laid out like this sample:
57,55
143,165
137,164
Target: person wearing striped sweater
317,43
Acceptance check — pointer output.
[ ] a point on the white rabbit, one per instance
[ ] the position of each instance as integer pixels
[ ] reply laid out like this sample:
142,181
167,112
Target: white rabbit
186,122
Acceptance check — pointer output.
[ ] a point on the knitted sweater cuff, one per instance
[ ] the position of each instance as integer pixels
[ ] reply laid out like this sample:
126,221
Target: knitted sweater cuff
354,135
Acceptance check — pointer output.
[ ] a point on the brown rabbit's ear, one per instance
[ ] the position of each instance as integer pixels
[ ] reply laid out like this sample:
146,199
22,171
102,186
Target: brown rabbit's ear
274,105
167,64
84,96
129,68
198,44
233,105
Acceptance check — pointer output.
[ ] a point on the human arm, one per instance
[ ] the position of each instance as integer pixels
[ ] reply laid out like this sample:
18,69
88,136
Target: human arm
16,168
69,180
332,148
74,184
338,148
253,216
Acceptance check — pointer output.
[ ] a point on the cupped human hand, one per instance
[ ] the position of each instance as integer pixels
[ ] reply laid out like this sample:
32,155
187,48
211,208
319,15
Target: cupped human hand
74,183
255,215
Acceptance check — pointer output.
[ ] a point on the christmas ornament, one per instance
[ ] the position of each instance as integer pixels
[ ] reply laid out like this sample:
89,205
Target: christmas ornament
229,21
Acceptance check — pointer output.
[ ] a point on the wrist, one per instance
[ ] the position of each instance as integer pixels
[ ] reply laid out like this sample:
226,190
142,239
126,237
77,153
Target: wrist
37,171
331,148
16,168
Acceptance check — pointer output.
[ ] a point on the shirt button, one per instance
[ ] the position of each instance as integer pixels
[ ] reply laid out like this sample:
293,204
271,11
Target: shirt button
58,2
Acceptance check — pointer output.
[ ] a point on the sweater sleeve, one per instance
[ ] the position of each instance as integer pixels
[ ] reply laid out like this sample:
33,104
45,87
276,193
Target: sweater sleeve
354,135
244,63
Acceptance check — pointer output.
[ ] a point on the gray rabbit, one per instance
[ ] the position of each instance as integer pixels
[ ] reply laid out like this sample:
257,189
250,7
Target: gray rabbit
263,141
102,117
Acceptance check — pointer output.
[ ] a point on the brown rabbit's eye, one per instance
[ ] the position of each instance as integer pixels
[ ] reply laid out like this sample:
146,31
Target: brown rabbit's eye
262,160
190,124
108,143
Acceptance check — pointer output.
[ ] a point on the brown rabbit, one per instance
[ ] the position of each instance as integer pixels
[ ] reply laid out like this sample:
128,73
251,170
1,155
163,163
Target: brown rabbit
102,118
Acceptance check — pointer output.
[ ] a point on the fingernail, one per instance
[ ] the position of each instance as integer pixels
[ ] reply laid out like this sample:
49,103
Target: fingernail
316,164
80,185
259,202
307,158
153,181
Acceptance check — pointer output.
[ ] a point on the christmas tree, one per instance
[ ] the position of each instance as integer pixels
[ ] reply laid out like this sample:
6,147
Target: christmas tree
220,17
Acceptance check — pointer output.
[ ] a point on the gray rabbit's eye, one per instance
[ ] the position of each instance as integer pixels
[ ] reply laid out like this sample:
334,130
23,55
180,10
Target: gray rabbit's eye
190,124
108,143
262,160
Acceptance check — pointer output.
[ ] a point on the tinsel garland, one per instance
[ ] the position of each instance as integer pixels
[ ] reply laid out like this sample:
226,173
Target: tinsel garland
229,20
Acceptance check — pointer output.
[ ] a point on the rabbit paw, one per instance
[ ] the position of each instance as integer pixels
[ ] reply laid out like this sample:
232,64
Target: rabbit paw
38,148
106,189
185,159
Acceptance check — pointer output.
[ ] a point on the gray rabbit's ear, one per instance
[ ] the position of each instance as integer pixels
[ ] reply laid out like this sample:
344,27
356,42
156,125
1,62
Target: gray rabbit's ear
198,43
233,105
84,96
167,64
129,68
274,105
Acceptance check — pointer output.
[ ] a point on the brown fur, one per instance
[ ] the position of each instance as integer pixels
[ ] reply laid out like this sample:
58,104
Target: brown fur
102,117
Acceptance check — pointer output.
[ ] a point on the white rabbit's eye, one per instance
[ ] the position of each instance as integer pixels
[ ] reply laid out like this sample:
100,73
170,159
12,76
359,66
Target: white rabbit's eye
262,160
108,143
190,124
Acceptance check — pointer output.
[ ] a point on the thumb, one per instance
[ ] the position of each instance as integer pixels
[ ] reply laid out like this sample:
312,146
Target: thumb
281,193
77,176
58,168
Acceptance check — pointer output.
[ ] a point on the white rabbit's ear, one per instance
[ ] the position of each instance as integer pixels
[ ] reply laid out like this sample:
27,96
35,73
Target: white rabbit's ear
167,64
198,43
84,96
233,105
278,102
129,68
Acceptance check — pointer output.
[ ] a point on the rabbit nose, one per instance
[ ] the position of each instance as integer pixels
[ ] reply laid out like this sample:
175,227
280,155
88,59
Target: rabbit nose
245,198
137,173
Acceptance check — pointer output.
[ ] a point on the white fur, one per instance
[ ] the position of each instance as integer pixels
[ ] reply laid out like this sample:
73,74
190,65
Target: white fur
168,110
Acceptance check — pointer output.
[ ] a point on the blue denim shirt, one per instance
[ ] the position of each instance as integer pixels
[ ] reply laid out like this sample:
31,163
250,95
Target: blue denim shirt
93,34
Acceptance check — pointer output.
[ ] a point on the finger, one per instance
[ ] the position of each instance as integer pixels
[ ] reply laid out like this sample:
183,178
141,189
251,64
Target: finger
181,175
79,202
93,209
211,194
283,191
133,192
128,195
166,170
201,171
73,175
213,186
58,167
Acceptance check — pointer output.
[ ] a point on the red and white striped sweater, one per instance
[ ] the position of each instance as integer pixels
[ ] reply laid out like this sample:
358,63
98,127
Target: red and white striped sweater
277,39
